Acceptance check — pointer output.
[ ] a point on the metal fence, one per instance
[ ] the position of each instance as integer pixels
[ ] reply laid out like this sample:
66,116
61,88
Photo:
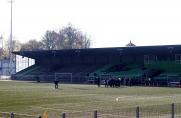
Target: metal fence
16,115
152,111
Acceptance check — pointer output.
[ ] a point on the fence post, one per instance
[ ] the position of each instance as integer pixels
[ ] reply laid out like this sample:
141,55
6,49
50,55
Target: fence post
137,112
173,110
95,114
12,115
63,115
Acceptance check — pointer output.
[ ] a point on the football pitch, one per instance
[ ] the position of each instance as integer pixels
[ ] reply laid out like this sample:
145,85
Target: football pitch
31,99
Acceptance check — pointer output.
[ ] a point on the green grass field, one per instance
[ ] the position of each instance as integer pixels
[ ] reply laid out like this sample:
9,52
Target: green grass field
79,101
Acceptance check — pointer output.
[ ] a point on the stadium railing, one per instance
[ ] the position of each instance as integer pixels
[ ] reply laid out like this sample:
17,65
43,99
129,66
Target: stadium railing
16,115
166,66
28,70
153,111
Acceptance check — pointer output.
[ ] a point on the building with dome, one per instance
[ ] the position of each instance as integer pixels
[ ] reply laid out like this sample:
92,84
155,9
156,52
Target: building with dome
130,44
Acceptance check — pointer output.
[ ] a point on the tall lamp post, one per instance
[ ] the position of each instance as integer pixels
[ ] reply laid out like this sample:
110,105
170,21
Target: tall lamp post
11,40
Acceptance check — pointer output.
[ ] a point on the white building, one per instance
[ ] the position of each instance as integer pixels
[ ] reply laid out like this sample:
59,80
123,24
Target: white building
5,69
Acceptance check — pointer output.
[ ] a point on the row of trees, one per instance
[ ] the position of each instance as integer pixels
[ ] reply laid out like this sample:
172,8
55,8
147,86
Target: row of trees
66,38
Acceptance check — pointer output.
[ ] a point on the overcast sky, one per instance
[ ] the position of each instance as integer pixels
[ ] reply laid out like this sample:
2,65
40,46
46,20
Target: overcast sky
109,23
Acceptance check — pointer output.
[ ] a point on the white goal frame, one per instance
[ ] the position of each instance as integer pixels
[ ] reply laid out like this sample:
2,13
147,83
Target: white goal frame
70,74
107,76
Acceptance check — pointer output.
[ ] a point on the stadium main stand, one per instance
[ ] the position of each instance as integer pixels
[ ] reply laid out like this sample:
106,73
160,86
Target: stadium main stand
78,65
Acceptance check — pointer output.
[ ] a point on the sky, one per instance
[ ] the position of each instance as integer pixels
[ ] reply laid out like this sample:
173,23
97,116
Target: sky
108,23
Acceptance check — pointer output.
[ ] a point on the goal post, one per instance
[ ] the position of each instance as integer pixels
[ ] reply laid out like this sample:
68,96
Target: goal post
64,77
105,76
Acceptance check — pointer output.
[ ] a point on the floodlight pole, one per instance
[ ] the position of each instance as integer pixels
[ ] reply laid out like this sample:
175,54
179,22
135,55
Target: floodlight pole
11,40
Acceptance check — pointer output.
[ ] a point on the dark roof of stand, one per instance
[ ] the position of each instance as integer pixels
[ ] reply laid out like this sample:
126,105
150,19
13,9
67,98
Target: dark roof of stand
103,51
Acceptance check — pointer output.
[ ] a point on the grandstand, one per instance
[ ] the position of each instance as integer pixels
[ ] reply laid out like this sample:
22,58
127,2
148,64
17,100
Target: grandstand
160,63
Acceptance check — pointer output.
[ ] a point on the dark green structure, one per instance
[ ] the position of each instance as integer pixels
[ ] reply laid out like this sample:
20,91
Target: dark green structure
162,63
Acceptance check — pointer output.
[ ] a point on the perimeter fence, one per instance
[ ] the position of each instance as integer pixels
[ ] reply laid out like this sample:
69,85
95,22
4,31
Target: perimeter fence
152,111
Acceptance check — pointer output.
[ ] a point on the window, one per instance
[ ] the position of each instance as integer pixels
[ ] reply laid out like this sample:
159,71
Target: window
149,59
23,62
178,58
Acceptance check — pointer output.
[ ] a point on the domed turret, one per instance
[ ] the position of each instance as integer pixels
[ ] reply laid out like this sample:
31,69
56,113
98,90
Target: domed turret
130,44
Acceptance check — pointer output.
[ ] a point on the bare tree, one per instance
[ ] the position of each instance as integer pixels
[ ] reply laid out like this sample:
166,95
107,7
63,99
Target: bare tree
31,45
67,38
16,46
49,40
1,48
74,38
